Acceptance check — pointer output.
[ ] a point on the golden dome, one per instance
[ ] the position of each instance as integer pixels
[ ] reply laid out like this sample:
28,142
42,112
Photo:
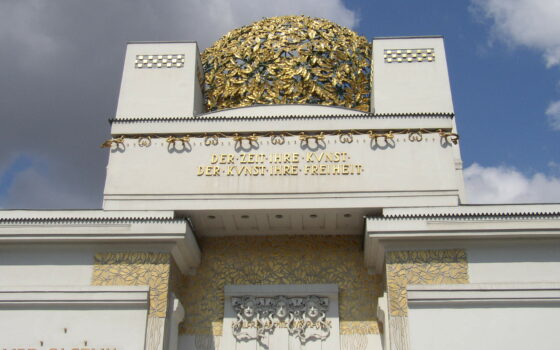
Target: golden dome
288,60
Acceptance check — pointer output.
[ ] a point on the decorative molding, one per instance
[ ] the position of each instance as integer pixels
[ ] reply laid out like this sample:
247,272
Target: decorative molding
54,295
395,231
447,266
353,341
209,116
48,216
302,261
484,294
377,137
359,327
398,328
298,314
136,269
155,331
159,61
409,55
164,231
474,211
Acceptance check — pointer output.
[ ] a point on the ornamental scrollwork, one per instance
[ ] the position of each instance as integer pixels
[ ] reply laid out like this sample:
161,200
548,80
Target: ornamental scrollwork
309,140
304,317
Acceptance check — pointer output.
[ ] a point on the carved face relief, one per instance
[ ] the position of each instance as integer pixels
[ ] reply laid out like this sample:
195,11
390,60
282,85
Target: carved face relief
281,309
312,309
297,314
249,309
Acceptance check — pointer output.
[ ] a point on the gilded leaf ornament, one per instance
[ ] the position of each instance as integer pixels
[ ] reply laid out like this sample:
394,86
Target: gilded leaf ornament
288,60
279,260
447,266
135,269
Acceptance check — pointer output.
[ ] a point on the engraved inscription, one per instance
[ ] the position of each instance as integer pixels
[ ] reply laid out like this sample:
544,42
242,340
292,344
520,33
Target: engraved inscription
280,164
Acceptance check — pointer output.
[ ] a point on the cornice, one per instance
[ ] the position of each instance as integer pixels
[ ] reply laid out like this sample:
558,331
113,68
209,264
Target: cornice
77,227
83,216
473,211
483,294
280,117
396,228
68,295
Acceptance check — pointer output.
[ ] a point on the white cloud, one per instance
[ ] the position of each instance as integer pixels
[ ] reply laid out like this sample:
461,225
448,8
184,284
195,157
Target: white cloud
207,21
504,184
531,23
553,113
42,27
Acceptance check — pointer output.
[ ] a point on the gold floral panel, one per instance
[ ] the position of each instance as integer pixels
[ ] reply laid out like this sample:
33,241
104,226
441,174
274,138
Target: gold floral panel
279,260
135,269
422,267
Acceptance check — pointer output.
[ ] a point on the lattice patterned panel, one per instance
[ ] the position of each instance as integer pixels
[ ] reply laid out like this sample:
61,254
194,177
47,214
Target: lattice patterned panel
409,55
159,61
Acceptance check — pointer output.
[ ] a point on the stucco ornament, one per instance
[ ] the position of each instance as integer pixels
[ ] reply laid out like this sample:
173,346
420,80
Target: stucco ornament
288,60
304,317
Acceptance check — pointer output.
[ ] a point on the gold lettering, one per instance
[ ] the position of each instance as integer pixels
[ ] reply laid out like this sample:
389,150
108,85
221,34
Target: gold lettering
214,159
295,157
208,171
290,170
336,157
275,158
279,164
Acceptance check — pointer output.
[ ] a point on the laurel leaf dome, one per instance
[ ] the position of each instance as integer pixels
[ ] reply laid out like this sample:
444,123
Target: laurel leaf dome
288,60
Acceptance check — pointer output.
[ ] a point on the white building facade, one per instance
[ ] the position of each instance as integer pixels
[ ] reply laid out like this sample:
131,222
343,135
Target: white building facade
293,187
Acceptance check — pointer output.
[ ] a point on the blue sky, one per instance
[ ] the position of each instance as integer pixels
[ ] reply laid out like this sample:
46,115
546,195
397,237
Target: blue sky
500,90
61,64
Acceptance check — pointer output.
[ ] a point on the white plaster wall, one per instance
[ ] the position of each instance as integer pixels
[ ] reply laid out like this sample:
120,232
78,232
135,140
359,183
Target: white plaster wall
519,261
484,328
120,328
158,170
45,267
410,87
60,265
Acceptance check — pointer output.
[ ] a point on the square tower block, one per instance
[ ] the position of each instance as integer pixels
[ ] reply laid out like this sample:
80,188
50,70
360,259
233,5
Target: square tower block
410,76
161,80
